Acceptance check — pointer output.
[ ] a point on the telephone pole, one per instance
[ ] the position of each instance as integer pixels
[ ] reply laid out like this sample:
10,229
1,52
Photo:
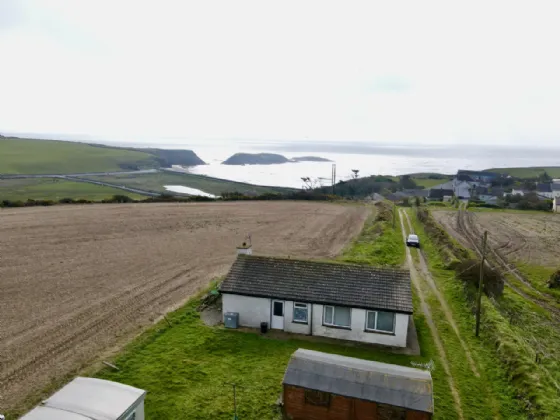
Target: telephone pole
480,282
333,177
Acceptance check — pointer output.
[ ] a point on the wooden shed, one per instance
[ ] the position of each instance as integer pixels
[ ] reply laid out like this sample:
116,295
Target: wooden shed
321,386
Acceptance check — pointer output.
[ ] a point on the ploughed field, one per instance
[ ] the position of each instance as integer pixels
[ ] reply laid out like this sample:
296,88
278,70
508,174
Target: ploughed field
525,237
77,281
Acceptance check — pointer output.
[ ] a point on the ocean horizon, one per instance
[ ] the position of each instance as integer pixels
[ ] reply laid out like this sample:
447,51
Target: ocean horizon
369,158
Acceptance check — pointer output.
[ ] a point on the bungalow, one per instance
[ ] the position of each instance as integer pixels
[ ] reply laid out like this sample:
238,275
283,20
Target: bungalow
319,385
343,301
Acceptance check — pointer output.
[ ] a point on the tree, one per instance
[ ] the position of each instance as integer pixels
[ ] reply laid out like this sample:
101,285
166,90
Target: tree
544,177
407,182
355,173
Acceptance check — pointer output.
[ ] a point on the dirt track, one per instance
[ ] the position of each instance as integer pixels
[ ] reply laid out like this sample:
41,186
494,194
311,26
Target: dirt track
76,280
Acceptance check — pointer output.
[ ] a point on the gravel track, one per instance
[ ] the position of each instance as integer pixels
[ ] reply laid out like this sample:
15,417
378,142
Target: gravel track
79,280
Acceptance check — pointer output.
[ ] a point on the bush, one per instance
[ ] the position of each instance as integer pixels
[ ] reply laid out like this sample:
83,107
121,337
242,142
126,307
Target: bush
469,272
554,281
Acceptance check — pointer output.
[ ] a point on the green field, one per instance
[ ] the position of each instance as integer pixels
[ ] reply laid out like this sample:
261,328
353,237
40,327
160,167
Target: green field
56,189
532,172
26,156
156,182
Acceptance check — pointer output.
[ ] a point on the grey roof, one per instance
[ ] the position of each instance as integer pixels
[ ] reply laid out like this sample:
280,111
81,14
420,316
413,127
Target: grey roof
417,192
357,286
363,379
440,193
544,188
87,398
445,186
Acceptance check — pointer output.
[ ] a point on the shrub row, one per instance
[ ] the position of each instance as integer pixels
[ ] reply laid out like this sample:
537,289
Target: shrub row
300,195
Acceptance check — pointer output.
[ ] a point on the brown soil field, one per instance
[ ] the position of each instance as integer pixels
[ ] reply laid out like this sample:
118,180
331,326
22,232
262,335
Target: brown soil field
78,281
527,237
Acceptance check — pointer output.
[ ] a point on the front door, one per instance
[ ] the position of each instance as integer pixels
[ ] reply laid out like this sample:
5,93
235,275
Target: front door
277,315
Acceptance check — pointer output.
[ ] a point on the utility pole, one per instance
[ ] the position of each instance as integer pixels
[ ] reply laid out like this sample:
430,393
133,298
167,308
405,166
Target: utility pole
480,282
333,177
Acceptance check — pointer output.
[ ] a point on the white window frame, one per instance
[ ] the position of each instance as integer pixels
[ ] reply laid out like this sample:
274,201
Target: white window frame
375,329
300,305
331,322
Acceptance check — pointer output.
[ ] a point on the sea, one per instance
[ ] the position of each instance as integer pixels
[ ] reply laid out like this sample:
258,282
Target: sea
368,158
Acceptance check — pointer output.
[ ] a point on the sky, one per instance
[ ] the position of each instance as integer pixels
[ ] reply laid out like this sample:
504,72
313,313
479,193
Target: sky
430,72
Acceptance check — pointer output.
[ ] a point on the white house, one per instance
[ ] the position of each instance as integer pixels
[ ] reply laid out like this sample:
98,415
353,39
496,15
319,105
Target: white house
344,301
91,399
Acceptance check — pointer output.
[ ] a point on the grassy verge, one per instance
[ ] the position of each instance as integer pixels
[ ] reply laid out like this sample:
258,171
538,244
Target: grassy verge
379,243
512,329
157,182
538,276
27,156
49,189
490,395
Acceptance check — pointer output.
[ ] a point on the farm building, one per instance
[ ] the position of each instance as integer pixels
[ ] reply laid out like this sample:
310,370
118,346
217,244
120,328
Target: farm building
92,399
319,385
343,301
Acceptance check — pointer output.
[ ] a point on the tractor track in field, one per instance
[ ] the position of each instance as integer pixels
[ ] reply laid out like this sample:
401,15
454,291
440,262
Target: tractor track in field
496,261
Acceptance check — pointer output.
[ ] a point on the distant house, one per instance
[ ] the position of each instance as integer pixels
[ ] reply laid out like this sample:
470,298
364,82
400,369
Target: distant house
439,194
544,190
343,301
463,189
555,187
91,399
479,176
556,205
319,385
519,192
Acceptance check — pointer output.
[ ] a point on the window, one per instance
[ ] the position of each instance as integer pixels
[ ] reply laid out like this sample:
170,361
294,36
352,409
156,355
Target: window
380,321
278,308
336,316
300,312
132,416
317,398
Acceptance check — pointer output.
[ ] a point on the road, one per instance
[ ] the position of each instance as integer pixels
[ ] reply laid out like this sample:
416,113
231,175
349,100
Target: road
79,178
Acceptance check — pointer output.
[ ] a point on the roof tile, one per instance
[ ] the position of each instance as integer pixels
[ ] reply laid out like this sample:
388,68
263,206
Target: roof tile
320,282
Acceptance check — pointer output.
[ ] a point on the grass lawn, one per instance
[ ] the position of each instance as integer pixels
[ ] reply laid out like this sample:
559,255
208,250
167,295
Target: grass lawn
531,172
185,368
26,156
46,189
157,181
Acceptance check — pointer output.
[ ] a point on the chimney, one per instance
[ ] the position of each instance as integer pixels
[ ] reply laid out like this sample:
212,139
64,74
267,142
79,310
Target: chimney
244,249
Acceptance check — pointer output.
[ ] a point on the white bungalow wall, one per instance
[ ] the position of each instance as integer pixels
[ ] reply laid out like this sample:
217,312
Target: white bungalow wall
357,331
252,310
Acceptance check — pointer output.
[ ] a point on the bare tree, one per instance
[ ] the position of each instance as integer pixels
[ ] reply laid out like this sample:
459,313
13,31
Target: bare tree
355,173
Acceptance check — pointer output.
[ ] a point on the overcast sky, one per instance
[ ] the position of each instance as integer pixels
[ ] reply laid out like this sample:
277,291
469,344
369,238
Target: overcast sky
421,71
